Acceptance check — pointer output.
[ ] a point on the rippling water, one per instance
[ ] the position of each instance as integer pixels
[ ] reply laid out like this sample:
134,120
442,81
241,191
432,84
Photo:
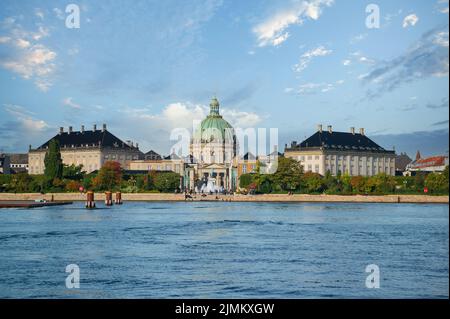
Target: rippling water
225,250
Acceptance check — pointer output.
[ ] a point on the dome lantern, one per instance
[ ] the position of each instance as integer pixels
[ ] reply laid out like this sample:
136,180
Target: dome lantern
214,107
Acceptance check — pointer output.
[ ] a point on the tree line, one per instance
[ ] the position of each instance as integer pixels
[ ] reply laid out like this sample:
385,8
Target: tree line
290,177
59,177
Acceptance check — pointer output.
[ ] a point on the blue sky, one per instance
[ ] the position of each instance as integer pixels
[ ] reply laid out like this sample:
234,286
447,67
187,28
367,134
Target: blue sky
145,67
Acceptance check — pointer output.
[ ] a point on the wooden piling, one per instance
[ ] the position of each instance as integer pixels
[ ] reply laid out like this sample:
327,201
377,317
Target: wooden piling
118,198
90,203
108,199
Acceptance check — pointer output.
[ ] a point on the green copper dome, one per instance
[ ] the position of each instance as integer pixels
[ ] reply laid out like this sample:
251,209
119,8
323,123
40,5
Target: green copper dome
214,127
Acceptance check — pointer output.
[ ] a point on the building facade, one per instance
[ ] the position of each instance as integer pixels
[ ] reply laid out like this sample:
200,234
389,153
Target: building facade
340,152
90,148
19,162
211,165
4,164
433,164
154,162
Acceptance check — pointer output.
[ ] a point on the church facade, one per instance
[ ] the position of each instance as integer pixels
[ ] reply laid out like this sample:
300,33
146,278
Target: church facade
211,165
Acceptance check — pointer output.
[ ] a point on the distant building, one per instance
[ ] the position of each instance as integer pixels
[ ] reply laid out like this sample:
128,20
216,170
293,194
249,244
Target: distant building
18,162
154,162
348,153
4,164
401,162
90,148
433,164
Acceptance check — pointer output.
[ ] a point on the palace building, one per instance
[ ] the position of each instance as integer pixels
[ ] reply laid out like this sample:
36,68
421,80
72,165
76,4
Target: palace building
341,152
90,148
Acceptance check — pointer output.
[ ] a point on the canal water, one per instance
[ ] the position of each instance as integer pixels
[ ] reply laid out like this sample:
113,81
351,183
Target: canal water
226,250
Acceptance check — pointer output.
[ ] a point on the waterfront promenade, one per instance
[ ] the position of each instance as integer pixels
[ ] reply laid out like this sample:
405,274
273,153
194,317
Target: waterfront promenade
235,198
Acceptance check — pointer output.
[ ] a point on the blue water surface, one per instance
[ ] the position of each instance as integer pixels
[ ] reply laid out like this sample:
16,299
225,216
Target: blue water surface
225,250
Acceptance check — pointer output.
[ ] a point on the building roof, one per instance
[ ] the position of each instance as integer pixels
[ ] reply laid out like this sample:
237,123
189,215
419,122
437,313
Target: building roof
214,127
92,138
401,161
249,156
18,158
340,141
152,155
433,161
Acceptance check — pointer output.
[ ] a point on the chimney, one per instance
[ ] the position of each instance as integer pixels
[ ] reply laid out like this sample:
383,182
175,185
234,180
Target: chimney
70,129
418,156
94,128
361,131
61,130
29,147
352,130
82,128
137,145
330,129
319,128
104,128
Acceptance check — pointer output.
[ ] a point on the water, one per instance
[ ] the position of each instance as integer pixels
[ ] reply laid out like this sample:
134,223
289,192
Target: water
225,250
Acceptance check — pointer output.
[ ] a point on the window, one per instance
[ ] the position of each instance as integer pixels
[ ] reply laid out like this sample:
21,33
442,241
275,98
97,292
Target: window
302,158
316,168
244,168
309,167
316,157
309,157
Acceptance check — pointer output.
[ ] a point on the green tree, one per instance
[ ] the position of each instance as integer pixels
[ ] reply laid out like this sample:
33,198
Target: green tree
436,183
167,181
109,177
358,184
74,172
313,182
245,180
53,162
21,182
288,174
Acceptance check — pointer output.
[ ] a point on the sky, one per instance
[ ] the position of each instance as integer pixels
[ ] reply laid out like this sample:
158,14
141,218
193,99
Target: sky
146,67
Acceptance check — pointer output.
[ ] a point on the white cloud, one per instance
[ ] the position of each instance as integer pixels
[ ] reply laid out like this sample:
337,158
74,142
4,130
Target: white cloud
4,40
306,58
41,33
39,13
358,38
445,8
153,128
273,30
69,102
25,118
441,38
58,13
313,88
346,62
367,60
28,58
427,57
23,44
35,61
410,20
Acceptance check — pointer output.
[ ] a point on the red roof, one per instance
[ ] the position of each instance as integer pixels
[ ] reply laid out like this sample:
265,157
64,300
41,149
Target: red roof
430,161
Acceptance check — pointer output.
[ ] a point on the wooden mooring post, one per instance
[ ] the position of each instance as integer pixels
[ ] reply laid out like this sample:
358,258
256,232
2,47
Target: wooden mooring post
108,199
118,198
90,203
